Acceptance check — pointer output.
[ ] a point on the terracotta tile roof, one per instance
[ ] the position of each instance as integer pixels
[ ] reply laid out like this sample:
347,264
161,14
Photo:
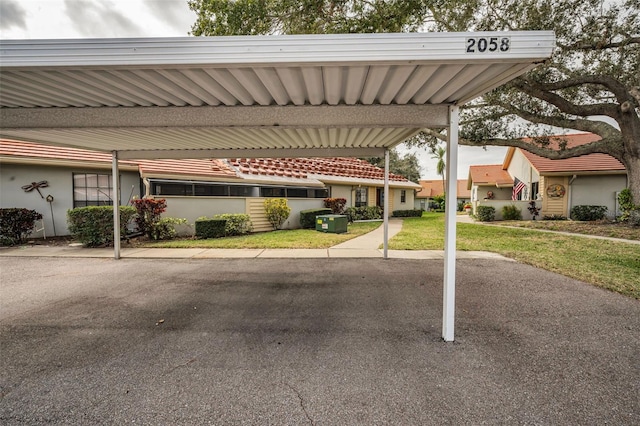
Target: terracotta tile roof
585,163
431,188
303,167
193,167
11,148
200,168
293,168
492,175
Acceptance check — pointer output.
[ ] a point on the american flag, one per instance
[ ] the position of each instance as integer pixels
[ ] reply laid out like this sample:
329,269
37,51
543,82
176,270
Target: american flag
518,186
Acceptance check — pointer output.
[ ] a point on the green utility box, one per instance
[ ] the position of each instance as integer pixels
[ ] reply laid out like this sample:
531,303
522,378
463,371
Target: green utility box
333,223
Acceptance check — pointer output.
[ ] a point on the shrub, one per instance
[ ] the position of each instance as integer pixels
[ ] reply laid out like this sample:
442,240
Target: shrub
16,224
588,213
335,204
554,217
407,213
533,209
308,217
277,211
511,212
439,202
93,225
625,201
165,228
210,228
363,213
486,213
237,223
148,211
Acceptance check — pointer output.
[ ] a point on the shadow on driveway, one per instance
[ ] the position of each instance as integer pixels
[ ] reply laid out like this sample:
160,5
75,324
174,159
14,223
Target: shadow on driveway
310,341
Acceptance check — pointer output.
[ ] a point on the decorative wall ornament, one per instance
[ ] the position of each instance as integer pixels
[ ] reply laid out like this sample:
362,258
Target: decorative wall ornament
36,186
556,190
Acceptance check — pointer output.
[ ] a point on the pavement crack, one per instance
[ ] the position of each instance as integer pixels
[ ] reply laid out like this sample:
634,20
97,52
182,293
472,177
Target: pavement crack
297,392
184,364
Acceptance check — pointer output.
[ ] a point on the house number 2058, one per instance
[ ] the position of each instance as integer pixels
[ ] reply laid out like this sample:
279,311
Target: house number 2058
491,44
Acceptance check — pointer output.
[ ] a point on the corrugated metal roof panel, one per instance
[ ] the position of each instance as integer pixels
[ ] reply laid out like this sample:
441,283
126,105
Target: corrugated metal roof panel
265,71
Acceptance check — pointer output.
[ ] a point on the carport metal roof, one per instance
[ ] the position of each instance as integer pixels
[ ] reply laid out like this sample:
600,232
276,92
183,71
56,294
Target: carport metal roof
259,96
330,95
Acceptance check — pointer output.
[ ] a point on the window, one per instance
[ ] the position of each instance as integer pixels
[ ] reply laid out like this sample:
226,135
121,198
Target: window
403,196
212,189
272,192
92,189
535,189
298,192
361,197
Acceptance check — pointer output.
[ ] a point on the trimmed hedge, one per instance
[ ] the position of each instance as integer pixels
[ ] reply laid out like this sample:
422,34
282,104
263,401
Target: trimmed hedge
210,228
486,213
16,224
237,223
588,213
363,213
407,213
93,225
308,217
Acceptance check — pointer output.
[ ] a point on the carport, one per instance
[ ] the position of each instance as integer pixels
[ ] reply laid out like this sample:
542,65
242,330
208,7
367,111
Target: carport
259,96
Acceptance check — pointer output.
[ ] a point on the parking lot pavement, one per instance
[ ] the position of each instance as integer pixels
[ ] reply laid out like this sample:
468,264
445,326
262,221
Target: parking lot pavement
310,341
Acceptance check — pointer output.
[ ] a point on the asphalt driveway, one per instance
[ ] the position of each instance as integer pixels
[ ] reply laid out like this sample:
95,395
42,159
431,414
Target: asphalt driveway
310,341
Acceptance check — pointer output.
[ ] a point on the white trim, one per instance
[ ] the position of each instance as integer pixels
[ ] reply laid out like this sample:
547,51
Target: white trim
409,48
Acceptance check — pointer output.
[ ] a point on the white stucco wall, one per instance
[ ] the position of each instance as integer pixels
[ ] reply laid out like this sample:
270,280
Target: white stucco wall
342,191
520,168
60,179
596,191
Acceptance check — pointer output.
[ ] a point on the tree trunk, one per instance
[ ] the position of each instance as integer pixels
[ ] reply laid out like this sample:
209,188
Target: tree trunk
633,177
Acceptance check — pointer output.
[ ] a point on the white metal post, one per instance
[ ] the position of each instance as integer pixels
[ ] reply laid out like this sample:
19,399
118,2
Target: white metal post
385,213
116,204
449,285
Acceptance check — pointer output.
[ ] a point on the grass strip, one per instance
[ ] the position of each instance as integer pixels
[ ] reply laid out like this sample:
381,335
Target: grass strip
607,264
282,239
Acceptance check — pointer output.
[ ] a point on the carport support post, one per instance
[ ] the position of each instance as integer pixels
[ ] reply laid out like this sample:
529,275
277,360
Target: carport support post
386,203
449,287
116,204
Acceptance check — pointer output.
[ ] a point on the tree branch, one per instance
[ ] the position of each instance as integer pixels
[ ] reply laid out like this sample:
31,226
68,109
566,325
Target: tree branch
538,91
600,46
617,88
611,146
598,127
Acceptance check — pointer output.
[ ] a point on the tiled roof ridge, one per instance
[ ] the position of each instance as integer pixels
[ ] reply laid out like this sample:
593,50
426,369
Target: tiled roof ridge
302,167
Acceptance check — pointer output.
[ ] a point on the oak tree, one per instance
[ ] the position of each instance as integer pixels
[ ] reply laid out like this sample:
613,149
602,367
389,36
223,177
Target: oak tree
591,83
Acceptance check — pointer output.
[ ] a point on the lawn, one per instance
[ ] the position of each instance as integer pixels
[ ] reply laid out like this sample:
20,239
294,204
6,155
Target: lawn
283,239
611,265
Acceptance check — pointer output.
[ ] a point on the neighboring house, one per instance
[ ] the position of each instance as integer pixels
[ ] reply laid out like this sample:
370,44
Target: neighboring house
433,188
557,185
192,188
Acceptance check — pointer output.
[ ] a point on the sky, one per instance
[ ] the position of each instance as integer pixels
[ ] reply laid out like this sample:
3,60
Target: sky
55,19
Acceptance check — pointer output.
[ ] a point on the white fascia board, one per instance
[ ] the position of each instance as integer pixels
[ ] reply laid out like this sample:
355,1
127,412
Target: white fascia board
341,180
295,50
281,180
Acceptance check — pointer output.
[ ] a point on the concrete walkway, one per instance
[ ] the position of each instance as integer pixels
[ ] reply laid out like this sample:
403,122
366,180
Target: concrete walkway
365,246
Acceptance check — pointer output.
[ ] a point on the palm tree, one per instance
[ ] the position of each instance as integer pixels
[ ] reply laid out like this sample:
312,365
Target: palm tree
439,154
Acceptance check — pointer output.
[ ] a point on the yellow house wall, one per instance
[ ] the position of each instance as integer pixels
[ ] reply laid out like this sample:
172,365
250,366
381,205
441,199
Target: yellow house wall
554,205
371,198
